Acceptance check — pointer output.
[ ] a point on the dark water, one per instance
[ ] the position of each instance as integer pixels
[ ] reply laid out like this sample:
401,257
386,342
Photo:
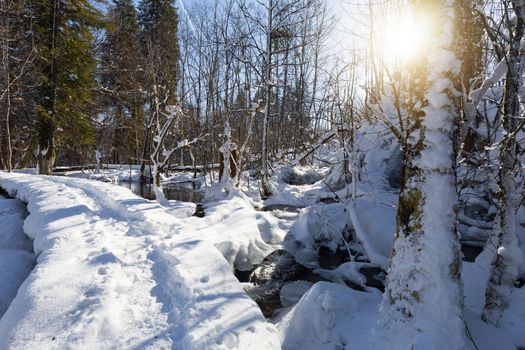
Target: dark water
283,207
22,259
184,191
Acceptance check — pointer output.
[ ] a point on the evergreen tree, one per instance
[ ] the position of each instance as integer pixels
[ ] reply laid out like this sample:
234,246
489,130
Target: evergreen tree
159,22
66,66
122,78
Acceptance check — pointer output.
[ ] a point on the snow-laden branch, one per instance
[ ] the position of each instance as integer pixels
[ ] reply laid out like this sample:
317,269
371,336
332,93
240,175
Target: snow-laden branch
476,95
160,155
375,257
254,109
323,139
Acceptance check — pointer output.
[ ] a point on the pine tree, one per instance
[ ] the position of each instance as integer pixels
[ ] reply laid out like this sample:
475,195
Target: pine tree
159,22
66,65
425,264
122,78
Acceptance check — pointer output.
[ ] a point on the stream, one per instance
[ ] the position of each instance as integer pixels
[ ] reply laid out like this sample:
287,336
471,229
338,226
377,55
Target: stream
181,191
17,258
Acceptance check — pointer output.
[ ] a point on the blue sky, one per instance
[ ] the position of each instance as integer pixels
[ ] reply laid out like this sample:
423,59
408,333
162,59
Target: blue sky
347,15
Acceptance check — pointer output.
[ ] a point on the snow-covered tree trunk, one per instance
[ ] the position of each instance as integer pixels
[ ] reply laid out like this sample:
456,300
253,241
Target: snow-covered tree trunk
228,167
254,108
98,159
422,302
507,260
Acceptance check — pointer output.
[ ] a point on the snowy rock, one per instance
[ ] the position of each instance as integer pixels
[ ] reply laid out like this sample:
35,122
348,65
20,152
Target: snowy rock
331,316
268,278
338,178
180,209
323,225
278,267
229,225
299,175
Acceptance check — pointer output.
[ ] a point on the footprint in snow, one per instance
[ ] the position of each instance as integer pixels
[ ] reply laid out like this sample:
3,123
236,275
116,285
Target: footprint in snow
230,340
105,259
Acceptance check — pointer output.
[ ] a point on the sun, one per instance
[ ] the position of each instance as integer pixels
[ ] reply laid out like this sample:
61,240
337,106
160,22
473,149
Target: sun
403,38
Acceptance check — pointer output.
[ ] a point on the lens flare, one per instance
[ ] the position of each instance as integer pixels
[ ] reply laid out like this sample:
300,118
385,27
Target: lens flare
404,38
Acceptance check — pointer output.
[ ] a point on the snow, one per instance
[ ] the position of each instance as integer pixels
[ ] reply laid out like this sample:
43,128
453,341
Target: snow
331,316
497,74
120,173
118,271
321,226
180,209
16,253
362,235
475,277
243,235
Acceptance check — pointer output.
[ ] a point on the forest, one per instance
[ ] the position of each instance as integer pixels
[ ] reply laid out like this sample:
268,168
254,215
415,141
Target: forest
355,172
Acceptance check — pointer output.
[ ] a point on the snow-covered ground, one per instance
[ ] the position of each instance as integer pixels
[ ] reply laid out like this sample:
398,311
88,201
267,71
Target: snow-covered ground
117,271
331,316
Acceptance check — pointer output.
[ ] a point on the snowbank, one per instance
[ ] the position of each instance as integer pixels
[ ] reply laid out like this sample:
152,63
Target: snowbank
118,271
330,316
243,235
330,225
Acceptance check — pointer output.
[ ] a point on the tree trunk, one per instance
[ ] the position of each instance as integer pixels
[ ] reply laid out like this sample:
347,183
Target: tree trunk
265,182
425,265
46,146
9,155
504,268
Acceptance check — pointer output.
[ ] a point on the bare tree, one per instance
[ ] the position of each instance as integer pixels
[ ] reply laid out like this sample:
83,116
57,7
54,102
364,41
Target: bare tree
505,265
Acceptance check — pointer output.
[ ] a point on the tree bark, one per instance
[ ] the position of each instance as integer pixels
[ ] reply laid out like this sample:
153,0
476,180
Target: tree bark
9,156
46,146
265,182
426,260
504,268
